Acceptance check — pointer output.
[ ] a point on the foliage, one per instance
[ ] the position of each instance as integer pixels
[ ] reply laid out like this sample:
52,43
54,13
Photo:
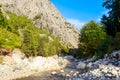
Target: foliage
19,32
30,43
49,47
115,42
92,39
3,20
16,23
9,40
37,17
112,19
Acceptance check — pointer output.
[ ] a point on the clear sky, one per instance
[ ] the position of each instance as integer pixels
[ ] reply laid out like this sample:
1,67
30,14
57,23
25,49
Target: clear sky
79,12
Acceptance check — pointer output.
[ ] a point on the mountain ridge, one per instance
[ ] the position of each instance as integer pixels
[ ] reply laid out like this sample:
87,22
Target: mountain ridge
44,15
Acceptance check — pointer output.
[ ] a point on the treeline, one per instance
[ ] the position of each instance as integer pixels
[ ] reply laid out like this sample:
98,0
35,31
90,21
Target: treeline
99,39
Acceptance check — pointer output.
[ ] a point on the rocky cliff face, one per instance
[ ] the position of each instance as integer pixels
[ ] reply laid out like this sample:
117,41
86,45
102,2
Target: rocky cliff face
45,16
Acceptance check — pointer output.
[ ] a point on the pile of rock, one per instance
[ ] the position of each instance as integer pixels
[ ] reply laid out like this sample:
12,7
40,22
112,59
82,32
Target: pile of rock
17,65
61,68
107,68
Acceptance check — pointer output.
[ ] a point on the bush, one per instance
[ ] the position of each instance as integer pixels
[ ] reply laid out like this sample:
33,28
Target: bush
48,47
9,40
17,23
30,43
92,40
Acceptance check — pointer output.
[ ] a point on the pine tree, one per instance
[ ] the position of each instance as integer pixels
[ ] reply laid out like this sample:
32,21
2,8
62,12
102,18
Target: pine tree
112,20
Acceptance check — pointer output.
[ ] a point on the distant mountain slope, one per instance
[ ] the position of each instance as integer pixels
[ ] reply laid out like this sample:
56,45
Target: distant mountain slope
45,16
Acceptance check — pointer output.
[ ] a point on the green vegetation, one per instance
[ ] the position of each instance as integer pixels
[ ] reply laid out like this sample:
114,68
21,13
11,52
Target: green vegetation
92,39
38,16
112,20
3,20
1,59
19,32
95,39
9,40
101,39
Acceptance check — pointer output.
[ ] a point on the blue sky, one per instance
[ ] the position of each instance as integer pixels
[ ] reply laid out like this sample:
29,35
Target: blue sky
79,12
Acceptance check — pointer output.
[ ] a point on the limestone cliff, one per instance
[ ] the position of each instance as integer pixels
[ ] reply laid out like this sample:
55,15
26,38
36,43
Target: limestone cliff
45,16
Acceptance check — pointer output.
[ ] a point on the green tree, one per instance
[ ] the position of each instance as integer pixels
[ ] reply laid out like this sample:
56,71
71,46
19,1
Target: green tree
112,19
92,38
30,43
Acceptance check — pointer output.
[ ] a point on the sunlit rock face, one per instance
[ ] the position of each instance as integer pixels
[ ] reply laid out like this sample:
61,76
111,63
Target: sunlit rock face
45,16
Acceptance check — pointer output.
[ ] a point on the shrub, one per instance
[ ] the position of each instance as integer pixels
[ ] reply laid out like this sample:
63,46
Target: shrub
9,40
92,40
30,43
48,47
19,22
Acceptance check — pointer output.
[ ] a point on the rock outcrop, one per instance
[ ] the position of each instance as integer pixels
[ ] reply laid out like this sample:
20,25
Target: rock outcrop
44,16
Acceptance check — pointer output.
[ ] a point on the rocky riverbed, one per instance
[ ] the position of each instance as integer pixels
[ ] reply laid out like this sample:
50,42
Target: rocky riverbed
17,67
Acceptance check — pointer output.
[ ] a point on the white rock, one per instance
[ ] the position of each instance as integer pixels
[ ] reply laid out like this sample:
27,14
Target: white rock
51,64
61,71
17,51
91,59
105,62
67,75
26,61
17,58
110,64
53,73
37,63
8,60
63,62
44,63
89,65
96,62
81,65
71,71
69,57
114,72
74,74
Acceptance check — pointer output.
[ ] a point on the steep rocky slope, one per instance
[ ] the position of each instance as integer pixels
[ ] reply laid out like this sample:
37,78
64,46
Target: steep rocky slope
45,16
